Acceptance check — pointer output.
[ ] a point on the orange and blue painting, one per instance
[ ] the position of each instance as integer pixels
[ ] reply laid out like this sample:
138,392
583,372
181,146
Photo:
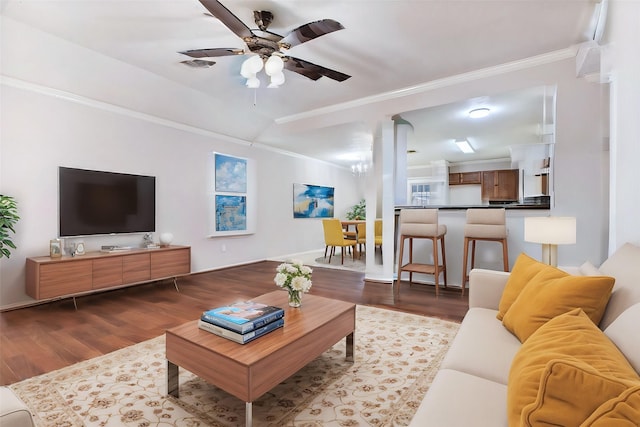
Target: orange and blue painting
312,201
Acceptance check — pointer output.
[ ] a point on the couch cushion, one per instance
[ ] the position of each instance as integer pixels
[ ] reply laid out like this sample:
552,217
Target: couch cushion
570,336
570,390
624,266
456,399
524,269
552,292
622,411
588,269
624,334
482,347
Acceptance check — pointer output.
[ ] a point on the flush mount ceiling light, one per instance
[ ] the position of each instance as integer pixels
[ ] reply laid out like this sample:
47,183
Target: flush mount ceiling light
464,146
478,113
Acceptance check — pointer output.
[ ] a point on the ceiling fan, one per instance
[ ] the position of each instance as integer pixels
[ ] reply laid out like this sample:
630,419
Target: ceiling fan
265,43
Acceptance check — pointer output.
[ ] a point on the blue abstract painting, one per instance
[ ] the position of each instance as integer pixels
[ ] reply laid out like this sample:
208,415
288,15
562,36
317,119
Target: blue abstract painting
231,213
312,201
231,174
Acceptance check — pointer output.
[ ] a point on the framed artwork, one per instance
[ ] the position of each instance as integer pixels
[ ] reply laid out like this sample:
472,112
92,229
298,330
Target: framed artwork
312,201
55,248
231,213
231,174
233,196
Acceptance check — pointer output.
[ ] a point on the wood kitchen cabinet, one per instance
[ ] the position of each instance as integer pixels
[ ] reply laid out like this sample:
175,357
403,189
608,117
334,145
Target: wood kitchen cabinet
500,185
465,178
70,276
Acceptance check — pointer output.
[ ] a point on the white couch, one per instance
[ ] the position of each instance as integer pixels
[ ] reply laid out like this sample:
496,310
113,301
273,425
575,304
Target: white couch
471,387
13,412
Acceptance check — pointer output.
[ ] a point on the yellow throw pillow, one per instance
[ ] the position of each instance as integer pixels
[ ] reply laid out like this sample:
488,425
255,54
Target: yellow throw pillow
523,270
553,292
569,336
569,392
622,411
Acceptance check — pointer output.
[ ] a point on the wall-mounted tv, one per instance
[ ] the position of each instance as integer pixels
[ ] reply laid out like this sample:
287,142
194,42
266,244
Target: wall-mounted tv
96,202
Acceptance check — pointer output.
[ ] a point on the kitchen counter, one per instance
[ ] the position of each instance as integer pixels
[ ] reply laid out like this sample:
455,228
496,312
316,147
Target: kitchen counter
490,206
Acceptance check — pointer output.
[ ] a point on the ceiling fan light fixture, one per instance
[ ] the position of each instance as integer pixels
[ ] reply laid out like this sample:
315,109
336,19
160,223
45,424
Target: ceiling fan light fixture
274,65
478,113
276,80
253,82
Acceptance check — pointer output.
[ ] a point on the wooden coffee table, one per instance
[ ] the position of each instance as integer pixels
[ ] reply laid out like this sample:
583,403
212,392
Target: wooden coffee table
250,370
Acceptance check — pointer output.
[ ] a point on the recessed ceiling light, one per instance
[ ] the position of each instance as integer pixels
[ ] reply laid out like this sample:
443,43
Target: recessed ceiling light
479,113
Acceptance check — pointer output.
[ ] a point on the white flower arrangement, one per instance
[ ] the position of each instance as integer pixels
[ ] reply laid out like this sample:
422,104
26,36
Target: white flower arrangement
293,276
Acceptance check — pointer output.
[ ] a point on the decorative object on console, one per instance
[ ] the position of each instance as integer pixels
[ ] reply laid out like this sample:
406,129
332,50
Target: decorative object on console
55,248
295,278
147,241
550,231
166,239
79,249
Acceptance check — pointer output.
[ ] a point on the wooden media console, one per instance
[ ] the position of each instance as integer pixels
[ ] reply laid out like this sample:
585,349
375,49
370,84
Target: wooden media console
48,278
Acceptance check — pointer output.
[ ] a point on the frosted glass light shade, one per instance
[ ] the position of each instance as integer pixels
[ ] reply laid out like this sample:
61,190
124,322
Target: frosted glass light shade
253,82
274,65
277,80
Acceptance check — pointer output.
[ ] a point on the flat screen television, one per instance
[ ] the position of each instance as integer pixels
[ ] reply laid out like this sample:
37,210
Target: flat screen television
96,202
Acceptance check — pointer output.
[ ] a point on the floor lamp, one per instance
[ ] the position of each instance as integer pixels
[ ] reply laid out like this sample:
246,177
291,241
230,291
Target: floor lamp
550,231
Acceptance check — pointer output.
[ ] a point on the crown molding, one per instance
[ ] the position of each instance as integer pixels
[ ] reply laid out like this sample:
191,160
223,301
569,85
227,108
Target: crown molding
105,106
534,61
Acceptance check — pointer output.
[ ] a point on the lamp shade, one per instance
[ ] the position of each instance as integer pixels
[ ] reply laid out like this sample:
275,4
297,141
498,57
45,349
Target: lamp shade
554,230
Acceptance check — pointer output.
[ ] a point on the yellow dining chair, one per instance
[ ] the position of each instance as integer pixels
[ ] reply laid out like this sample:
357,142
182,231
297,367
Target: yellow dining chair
378,234
361,236
334,236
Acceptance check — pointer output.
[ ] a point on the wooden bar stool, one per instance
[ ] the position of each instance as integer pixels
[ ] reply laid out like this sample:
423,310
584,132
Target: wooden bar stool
484,224
422,224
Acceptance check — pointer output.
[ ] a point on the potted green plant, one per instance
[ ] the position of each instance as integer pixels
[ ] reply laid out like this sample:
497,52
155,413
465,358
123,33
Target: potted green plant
8,218
358,211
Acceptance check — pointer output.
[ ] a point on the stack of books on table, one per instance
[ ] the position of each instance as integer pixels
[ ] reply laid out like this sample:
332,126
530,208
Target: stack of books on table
242,322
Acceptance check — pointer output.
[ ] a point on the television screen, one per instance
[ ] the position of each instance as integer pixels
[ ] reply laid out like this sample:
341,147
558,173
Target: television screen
96,202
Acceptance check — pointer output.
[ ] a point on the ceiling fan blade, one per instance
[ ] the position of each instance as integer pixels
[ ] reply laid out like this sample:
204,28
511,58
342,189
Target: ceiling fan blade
310,31
312,71
198,63
230,20
208,53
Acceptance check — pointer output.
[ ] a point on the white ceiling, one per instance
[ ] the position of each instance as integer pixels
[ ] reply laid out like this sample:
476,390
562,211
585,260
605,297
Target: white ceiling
387,46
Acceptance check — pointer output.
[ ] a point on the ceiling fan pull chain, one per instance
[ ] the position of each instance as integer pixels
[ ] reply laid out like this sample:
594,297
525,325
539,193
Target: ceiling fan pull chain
255,97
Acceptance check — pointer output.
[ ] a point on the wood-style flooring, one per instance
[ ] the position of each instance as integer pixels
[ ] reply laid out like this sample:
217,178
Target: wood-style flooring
50,336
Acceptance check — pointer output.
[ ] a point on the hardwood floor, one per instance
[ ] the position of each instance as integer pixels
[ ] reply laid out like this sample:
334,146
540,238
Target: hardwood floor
43,338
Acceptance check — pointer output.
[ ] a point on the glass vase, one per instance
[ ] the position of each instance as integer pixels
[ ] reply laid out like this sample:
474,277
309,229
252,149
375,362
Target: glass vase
295,298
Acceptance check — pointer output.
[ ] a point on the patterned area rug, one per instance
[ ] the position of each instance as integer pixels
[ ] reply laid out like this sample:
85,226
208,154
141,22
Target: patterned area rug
396,358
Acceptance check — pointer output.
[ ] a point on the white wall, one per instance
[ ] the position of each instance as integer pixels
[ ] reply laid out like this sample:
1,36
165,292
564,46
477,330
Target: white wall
41,132
621,62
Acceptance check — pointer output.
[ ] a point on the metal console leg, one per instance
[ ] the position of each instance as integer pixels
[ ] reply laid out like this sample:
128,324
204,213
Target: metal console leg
349,346
248,413
172,379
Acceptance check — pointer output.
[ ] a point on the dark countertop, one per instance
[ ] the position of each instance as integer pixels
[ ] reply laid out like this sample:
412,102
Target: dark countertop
490,206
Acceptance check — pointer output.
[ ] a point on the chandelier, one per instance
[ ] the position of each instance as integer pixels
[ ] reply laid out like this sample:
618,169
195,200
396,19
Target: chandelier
273,66
359,168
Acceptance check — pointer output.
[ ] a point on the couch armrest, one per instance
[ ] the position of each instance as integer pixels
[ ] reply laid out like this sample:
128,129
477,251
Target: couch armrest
485,288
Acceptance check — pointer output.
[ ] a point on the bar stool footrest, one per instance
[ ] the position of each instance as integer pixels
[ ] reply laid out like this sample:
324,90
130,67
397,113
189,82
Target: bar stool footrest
421,268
